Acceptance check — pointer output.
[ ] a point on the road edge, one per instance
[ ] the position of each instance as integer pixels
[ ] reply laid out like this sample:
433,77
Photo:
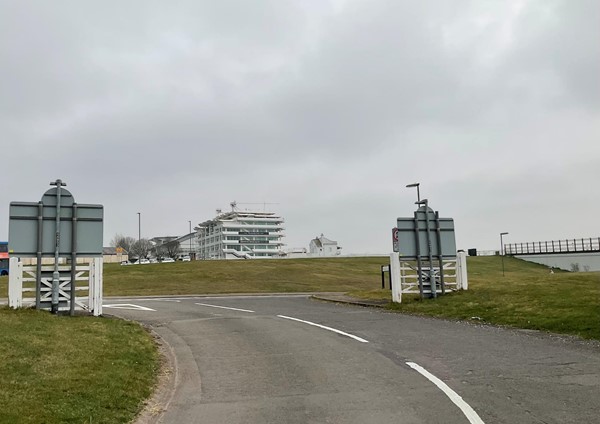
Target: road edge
164,388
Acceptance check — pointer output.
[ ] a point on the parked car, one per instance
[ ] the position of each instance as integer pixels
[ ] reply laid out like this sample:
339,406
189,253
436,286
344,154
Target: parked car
186,259
144,261
168,260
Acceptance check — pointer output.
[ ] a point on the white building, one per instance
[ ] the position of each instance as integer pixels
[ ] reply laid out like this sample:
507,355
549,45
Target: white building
322,246
240,235
188,245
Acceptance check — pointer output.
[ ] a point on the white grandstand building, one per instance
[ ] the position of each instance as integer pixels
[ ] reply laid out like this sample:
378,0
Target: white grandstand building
240,235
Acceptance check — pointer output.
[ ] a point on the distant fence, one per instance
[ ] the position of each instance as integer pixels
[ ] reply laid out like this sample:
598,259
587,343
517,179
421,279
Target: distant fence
582,245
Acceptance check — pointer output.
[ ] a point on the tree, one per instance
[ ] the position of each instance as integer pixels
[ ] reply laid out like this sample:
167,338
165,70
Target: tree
141,248
124,242
160,251
172,248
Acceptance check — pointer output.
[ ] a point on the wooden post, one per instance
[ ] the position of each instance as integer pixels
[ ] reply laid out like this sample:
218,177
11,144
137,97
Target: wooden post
396,277
97,287
15,283
462,280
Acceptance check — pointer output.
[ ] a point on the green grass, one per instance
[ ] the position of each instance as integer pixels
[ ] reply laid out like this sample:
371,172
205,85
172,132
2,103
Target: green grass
252,276
4,286
58,369
96,370
528,296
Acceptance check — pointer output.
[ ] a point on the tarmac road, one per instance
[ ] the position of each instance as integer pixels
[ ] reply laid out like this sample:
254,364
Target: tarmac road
291,359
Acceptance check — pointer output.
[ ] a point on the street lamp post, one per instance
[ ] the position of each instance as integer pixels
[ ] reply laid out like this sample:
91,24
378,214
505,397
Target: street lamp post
190,252
502,250
56,274
432,281
417,186
139,226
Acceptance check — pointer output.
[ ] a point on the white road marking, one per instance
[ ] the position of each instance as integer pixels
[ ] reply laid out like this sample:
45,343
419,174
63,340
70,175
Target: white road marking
454,397
225,307
162,300
128,306
326,328
265,296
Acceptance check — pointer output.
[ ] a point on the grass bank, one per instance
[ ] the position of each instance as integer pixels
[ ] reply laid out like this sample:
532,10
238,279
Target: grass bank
527,296
57,369
252,276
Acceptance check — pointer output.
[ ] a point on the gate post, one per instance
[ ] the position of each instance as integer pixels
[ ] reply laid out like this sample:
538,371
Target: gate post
462,280
95,287
15,283
395,277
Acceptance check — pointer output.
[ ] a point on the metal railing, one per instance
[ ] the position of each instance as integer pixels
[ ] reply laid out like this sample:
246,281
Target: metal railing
580,245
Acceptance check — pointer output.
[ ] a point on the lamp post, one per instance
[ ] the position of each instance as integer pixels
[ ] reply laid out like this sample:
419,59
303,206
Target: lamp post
56,274
502,250
139,226
190,251
432,281
417,186
139,236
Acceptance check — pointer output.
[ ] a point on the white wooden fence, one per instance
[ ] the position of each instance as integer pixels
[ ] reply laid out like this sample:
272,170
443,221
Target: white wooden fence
22,286
454,274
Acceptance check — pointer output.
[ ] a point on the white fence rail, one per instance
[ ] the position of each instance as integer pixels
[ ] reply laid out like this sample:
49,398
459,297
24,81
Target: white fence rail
22,287
453,274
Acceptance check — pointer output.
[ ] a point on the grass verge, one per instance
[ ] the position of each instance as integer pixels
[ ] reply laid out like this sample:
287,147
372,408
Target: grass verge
527,296
58,369
252,276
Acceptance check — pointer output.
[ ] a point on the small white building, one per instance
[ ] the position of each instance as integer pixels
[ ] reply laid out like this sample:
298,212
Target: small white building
322,246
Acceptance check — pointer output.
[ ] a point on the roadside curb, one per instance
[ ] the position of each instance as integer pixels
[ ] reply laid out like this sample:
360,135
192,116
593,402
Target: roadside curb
164,390
205,295
348,300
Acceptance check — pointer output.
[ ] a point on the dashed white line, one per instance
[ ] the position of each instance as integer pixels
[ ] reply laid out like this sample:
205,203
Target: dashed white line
225,307
454,397
325,328
163,300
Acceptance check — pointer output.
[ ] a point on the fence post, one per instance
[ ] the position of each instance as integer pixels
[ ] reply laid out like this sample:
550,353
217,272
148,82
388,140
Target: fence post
396,280
97,286
91,286
15,283
462,280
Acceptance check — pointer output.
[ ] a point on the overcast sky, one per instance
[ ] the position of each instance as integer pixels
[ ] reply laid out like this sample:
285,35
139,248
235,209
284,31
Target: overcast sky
327,109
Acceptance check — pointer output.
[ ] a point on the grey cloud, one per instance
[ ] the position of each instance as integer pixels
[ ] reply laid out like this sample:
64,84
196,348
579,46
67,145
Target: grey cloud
321,107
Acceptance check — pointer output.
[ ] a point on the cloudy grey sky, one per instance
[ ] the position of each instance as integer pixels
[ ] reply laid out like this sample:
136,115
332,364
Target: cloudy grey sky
326,108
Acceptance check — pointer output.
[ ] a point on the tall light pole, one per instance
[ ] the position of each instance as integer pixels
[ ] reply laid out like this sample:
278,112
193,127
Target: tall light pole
190,252
139,226
417,186
502,250
56,274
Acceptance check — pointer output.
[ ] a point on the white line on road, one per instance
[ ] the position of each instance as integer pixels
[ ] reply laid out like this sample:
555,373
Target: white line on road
326,328
225,307
162,300
454,397
129,306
